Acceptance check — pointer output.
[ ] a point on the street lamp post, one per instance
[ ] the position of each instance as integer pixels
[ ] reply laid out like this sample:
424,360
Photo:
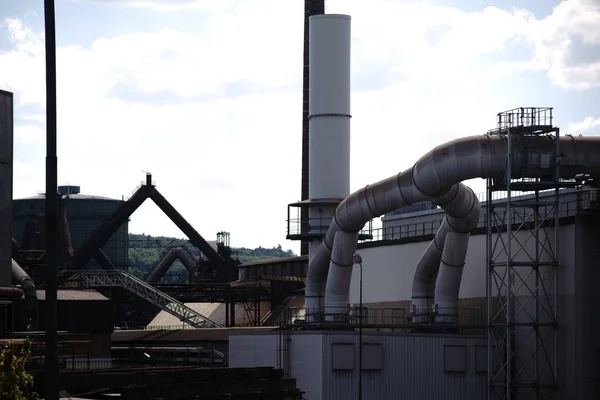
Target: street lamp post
358,260
51,372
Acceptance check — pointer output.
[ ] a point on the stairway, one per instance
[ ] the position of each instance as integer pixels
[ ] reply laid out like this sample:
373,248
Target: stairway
118,278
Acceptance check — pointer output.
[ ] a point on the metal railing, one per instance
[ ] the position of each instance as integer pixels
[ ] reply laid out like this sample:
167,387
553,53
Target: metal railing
71,356
168,355
581,200
186,326
380,316
524,117
318,227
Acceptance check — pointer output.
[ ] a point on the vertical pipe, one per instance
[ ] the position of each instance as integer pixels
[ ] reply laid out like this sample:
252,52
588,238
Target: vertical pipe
360,336
508,275
51,373
489,295
311,7
6,186
536,314
557,162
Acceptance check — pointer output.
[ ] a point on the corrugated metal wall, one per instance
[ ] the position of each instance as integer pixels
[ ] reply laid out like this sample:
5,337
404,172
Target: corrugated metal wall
6,185
400,366
413,367
84,217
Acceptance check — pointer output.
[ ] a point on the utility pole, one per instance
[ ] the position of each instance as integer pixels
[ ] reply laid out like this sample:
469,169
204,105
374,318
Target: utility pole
358,260
51,367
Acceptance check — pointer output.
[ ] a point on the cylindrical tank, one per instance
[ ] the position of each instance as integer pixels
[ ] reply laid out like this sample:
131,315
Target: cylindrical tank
85,214
329,118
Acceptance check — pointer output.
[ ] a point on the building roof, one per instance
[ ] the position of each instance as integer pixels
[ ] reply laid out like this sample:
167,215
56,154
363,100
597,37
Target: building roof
71,197
274,261
74,295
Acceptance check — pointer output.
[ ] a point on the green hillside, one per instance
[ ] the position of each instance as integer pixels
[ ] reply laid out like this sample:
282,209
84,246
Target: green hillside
146,251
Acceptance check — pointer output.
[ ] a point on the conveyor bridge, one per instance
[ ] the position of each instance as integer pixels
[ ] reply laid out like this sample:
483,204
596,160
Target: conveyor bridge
117,278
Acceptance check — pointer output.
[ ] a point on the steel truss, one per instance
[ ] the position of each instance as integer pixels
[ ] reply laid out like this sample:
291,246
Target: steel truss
119,278
522,257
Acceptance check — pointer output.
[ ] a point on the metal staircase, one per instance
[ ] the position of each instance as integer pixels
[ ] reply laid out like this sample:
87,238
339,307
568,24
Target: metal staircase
118,278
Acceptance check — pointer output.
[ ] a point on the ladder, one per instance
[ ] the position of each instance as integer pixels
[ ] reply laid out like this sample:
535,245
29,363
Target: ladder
119,278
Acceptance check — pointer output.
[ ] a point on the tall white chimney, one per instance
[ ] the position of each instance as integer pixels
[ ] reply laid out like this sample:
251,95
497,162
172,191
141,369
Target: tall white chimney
329,119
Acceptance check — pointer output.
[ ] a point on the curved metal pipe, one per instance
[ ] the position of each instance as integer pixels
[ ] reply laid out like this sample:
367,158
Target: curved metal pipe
462,216
31,300
172,255
10,292
340,273
449,277
436,174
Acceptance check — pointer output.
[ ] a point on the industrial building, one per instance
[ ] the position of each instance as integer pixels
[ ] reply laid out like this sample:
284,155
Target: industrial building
457,296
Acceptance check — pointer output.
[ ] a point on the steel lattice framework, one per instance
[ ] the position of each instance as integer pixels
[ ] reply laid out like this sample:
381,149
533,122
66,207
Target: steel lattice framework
522,257
119,278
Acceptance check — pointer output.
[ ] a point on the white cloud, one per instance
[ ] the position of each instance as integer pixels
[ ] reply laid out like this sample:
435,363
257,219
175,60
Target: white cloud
28,134
232,162
588,125
168,5
554,37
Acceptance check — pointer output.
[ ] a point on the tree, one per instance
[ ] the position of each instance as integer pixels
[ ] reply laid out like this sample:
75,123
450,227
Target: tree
15,382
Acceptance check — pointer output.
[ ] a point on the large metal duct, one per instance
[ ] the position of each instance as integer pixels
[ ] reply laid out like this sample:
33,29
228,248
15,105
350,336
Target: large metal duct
329,122
172,255
31,300
462,214
10,292
435,175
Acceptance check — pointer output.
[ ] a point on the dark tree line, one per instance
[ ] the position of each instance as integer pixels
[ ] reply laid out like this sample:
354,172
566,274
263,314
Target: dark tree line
146,251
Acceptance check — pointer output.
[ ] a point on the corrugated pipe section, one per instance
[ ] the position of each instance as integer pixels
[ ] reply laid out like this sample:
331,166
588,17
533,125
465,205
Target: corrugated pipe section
437,176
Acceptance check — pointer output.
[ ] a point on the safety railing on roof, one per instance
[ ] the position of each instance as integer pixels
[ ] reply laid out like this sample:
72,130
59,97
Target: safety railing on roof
582,200
379,316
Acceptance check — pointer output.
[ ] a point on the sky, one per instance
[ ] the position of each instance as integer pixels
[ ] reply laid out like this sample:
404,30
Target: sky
206,94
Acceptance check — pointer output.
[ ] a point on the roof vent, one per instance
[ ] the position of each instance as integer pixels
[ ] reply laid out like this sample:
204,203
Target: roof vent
69,189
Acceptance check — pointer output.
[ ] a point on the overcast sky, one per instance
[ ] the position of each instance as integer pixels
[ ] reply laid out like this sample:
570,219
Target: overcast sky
206,94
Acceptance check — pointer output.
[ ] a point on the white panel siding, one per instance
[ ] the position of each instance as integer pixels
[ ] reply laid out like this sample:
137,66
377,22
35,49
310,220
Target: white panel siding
306,364
412,368
388,270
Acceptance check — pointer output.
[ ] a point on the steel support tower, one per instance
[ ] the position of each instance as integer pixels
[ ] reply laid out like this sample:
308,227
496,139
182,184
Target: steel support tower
522,257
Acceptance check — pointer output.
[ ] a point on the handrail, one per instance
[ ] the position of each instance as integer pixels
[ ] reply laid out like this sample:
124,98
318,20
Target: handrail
373,316
401,230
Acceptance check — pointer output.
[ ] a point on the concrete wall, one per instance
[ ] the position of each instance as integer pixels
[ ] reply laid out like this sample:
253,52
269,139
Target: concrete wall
395,366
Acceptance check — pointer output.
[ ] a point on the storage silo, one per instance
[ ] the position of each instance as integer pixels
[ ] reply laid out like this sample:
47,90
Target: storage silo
85,214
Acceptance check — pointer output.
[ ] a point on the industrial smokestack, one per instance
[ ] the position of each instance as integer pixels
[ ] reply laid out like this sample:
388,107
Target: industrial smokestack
329,123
